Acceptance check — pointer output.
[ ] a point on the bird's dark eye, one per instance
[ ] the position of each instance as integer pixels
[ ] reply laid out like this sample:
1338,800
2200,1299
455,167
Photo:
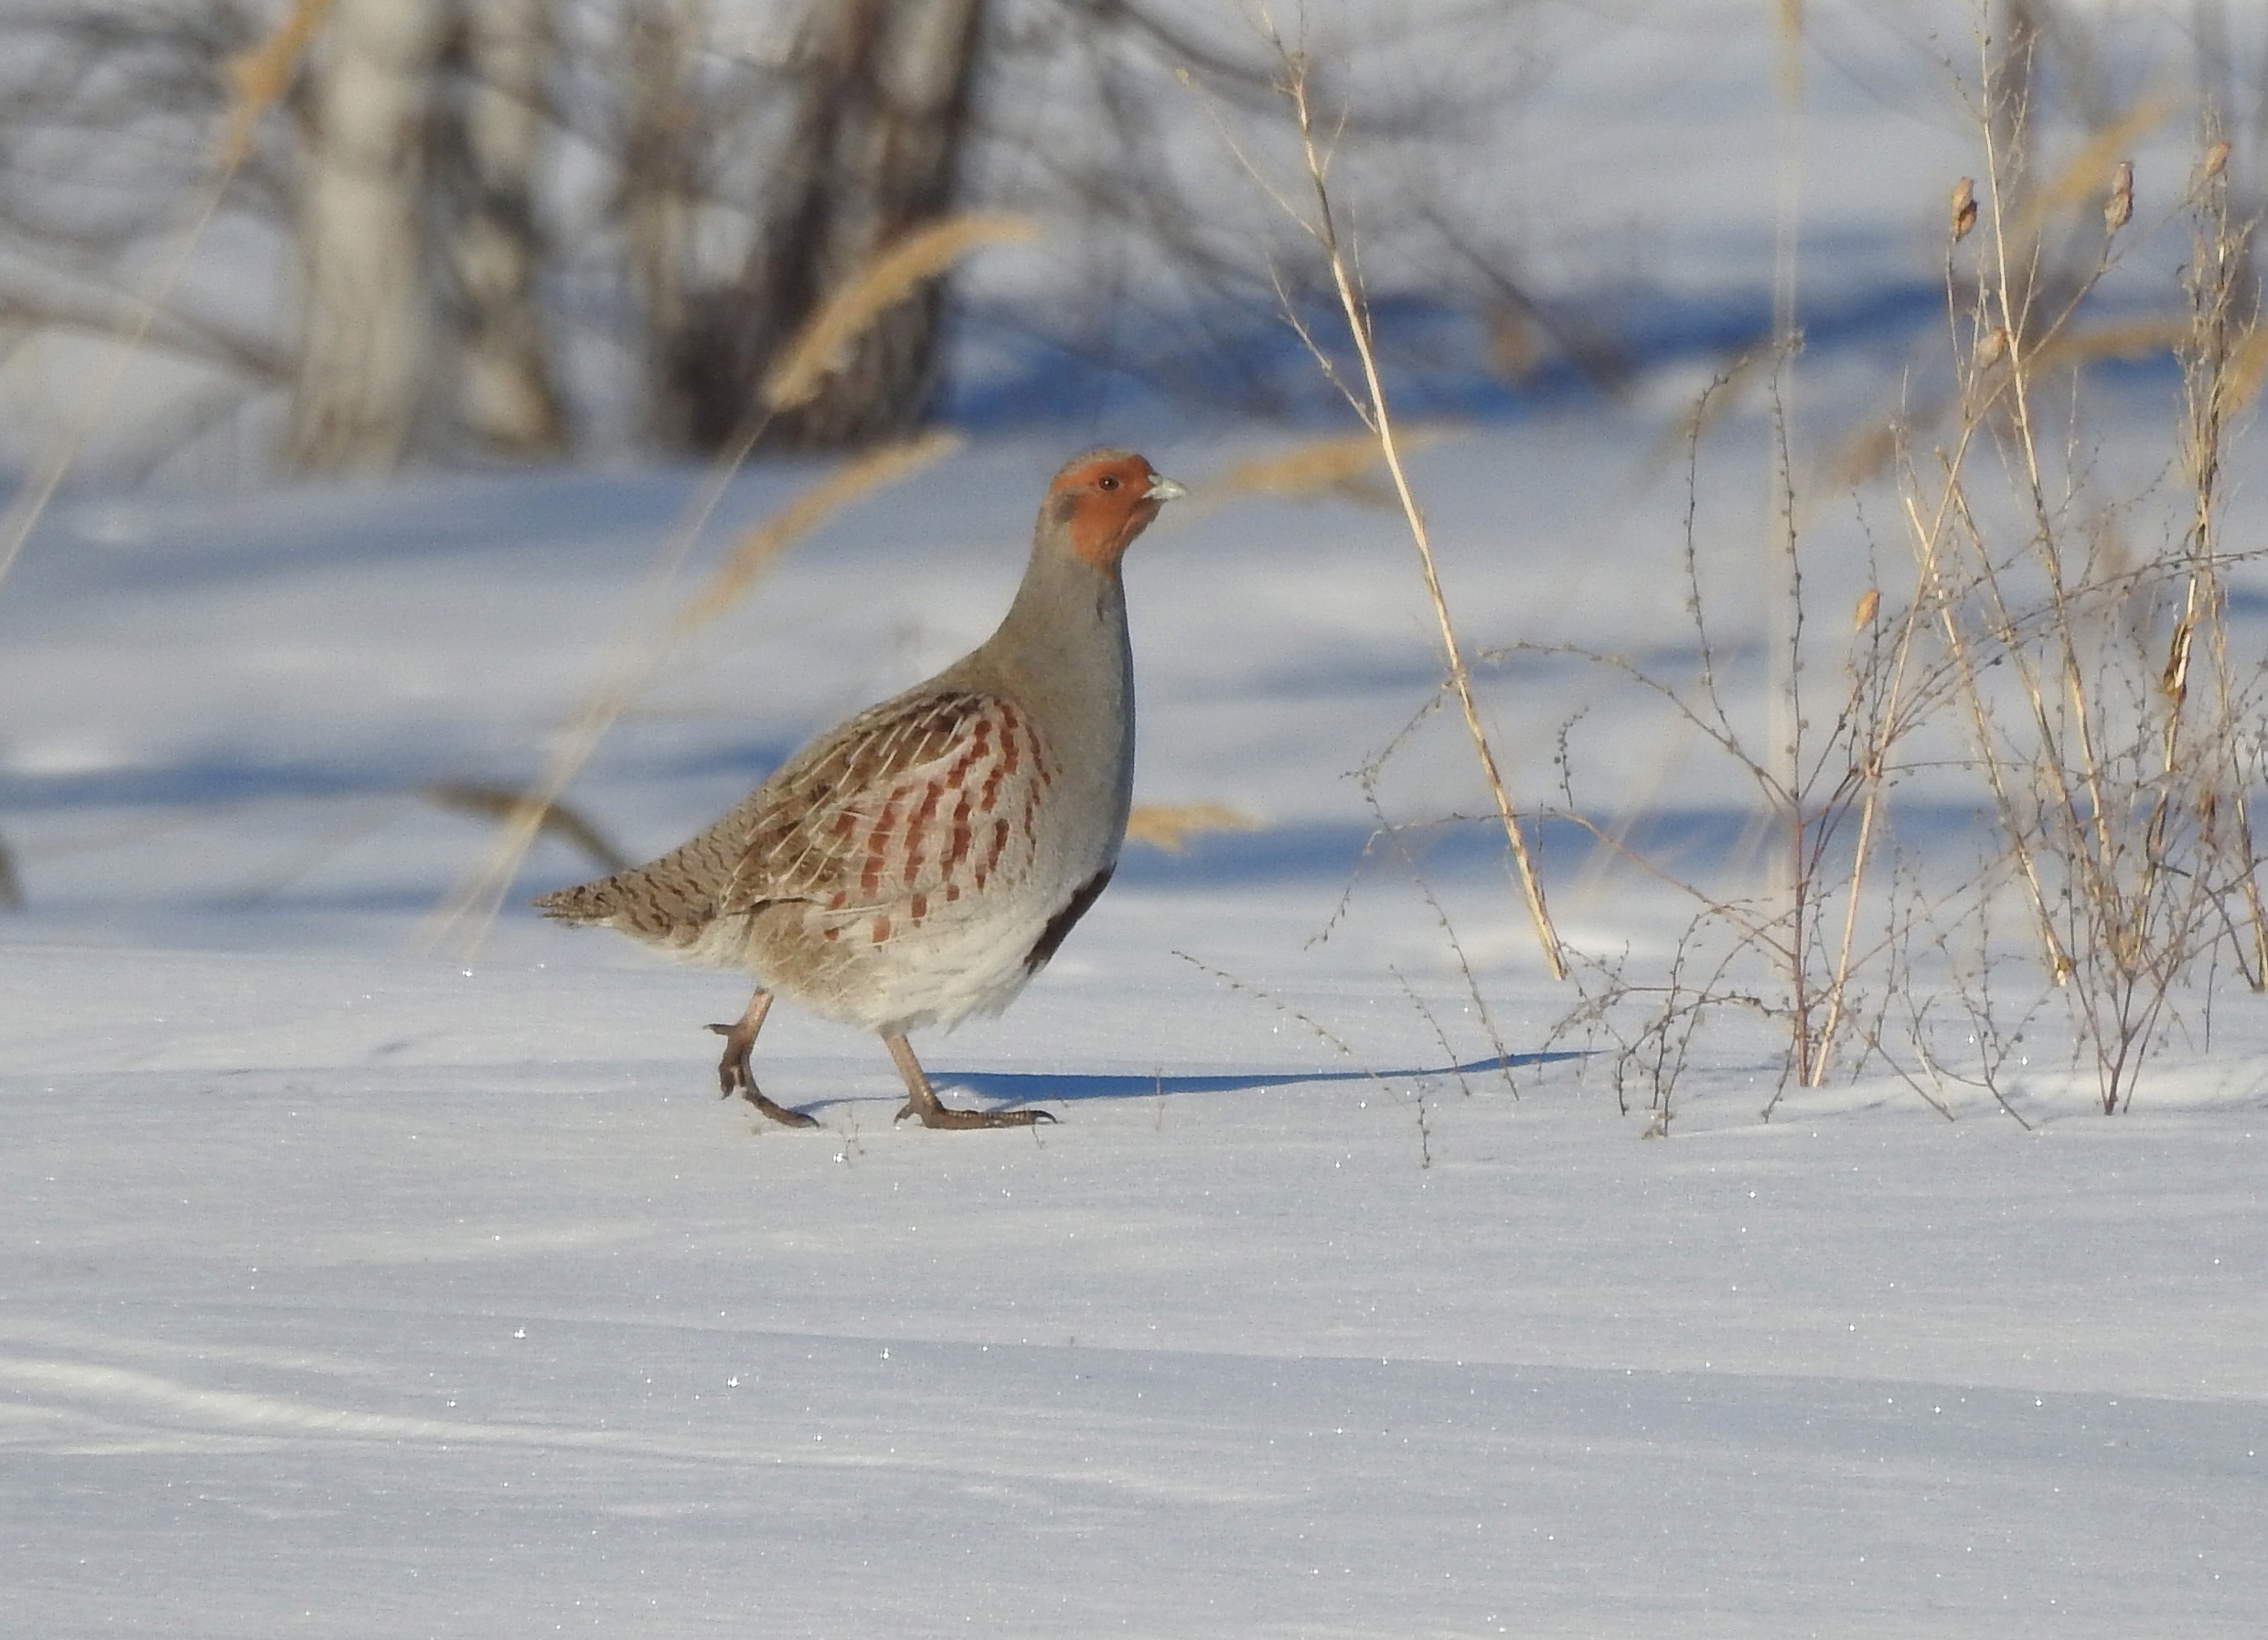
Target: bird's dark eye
1108,481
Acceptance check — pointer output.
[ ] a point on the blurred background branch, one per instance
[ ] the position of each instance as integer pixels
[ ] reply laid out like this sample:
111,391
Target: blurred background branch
498,231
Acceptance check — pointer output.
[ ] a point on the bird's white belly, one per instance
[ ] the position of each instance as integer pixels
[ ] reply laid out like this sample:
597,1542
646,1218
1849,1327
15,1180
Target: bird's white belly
939,976
939,972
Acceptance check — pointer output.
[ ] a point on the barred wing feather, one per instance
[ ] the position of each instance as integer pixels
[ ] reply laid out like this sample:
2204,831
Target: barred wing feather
920,805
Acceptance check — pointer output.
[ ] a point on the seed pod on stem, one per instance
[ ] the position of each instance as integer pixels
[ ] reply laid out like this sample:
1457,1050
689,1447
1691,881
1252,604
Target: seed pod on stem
1965,207
2119,208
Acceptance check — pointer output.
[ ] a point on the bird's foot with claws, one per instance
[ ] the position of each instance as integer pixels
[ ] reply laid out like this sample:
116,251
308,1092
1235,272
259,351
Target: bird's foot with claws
935,1115
734,1075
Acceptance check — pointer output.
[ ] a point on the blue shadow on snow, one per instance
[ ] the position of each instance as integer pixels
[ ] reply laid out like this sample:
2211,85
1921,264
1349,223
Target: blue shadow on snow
1025,1087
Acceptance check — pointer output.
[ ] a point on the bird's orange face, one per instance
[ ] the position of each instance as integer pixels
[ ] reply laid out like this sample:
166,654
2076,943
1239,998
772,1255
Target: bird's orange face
1105,499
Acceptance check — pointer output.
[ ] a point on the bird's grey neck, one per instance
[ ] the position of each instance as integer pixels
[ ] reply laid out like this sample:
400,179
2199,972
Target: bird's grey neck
1068,619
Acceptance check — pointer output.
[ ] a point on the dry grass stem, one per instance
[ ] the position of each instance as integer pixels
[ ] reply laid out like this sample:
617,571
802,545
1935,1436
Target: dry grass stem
761,546
258,79
1375,413
502,802
1170,826
897,270
1336,466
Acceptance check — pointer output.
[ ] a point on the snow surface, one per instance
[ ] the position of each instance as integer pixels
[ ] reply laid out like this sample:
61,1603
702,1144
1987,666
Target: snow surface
349,1290
353,1291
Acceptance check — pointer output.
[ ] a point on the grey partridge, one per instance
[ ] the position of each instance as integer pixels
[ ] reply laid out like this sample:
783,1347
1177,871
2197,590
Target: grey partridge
919,864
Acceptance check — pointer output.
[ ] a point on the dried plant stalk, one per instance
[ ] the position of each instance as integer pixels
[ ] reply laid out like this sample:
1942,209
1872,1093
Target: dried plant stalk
2121,772
1337,465
258,79
899,270
1371,405
501,802
2247,367
1170,826
761,546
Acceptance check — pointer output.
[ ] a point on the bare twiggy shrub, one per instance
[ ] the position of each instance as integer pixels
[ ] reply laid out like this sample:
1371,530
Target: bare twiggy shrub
1395,838
1991,1036
1796,948
2117,737
1338,1043
1648,1026
2046,647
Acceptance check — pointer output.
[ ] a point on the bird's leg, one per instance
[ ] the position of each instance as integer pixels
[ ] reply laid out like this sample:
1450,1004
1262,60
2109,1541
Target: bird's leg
921,1100
733,1073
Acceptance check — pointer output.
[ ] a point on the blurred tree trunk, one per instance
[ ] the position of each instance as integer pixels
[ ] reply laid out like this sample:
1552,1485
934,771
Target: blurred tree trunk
662,167
881,98
364,354
484,149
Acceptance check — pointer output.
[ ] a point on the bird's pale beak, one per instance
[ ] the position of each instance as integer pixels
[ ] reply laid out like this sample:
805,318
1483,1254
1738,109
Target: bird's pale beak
1164,489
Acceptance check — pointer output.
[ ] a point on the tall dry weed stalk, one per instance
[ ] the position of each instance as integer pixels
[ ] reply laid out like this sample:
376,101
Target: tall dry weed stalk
259,78
1367,398
898,269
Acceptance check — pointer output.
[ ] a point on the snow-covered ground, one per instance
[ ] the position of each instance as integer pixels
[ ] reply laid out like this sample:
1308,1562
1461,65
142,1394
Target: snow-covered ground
348,1290
353,1291
451,1305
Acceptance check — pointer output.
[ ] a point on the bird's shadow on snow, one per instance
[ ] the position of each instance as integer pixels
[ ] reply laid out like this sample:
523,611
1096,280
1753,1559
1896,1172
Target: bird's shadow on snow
1024,1087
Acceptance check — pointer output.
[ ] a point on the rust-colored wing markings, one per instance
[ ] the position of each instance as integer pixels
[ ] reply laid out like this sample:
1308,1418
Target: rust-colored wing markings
909,810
